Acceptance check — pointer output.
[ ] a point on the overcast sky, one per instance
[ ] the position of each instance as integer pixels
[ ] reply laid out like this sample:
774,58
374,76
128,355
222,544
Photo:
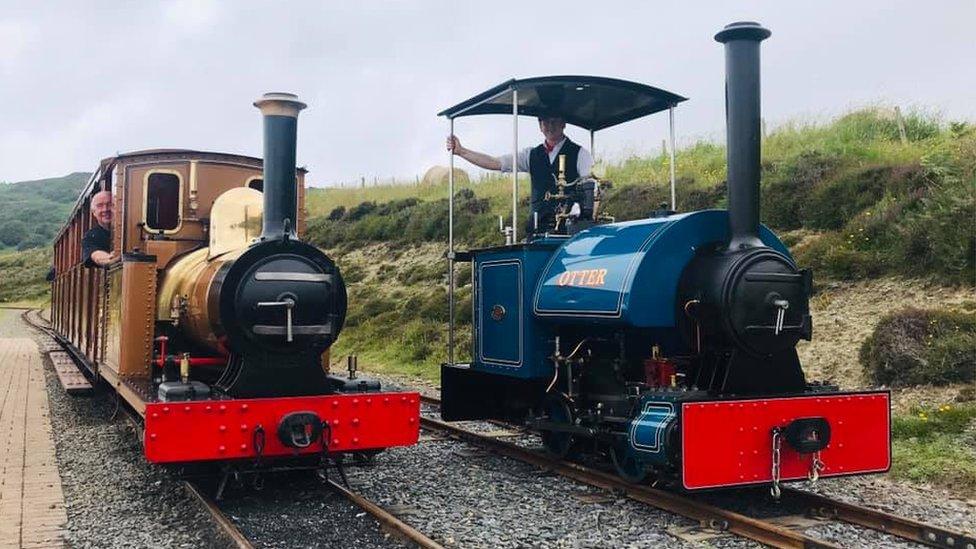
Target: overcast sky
84,80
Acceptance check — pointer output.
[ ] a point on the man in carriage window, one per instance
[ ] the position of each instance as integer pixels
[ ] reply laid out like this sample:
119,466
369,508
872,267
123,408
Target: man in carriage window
542,163
96,246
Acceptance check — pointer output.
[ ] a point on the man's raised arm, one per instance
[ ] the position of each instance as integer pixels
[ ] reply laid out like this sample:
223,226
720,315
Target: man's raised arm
479,159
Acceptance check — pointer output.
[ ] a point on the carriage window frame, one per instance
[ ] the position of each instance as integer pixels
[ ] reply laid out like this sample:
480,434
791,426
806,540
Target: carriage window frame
247,182
145,202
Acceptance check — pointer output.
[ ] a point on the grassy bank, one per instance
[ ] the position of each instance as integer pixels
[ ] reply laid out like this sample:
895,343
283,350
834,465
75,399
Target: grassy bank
937,445
850,197
22,277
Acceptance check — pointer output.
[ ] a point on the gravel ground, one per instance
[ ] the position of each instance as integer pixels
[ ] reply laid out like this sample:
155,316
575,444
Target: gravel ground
11,325
461,496
294,510
464,497
113,497
925,504
458,494
873,491
756,502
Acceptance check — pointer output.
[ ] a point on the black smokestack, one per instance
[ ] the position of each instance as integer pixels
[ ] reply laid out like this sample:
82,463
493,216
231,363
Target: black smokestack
742,118
280,111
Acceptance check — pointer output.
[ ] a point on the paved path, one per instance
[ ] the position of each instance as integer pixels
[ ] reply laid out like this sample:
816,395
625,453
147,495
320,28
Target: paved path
32,511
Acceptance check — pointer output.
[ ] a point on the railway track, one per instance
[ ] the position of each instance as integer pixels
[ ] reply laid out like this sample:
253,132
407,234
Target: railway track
711,516
716,517
228,528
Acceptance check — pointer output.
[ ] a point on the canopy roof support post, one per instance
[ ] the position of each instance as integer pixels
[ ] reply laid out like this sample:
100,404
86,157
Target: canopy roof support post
450,252
515,152
674,207
592,148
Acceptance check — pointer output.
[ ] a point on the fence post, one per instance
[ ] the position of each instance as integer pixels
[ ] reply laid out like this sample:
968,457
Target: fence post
901,126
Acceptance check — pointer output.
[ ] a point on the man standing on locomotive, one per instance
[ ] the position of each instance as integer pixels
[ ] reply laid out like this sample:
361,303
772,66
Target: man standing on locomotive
96,245
542,163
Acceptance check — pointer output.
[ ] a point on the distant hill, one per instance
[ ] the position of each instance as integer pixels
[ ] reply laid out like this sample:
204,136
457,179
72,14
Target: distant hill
31,212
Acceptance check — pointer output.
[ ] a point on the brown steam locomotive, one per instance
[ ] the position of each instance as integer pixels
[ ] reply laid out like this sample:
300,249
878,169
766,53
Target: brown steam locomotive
215,322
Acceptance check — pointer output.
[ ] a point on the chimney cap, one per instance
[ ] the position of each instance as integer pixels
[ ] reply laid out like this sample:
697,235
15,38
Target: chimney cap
279,104
743,30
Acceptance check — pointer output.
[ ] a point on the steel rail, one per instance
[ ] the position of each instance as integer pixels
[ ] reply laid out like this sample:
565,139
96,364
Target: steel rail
715,517
226,525
881,521
818,505
386,519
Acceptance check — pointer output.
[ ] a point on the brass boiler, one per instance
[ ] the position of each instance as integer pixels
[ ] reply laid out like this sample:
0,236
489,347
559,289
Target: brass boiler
187,294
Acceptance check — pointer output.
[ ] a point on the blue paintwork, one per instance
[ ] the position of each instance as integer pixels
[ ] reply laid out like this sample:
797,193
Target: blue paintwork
504,332
644,260
517,344
646,436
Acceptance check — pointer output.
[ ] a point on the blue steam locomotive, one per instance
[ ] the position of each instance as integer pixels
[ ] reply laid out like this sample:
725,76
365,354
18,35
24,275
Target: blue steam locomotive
669,342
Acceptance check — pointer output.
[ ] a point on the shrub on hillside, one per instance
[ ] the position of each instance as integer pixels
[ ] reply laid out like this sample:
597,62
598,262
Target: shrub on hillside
13,232
635,201
695,199
912,219
788,185
431,273
337,213
941,238
405,221
916,346
22,274
629,202
835,202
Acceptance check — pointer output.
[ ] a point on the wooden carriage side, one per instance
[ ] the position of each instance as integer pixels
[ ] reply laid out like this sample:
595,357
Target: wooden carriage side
161,208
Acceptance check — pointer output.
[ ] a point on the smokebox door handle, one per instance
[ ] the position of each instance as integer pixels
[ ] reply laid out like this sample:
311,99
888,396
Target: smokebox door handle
288,304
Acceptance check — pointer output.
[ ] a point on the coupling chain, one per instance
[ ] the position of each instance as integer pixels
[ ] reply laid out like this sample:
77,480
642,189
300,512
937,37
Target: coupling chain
777,444
816,465
258,440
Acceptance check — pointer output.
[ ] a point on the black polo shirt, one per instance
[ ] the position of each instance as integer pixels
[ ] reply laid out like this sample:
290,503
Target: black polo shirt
98,238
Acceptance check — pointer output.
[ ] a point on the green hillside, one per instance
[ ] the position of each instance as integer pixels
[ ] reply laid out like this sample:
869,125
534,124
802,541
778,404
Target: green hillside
31,212
851,199
876,217
849,196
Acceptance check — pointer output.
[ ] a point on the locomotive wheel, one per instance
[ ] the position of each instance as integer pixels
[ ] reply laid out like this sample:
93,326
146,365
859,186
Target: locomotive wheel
558,444
627,467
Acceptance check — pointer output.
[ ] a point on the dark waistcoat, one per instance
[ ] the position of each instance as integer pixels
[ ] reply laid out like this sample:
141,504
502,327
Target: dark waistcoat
544,175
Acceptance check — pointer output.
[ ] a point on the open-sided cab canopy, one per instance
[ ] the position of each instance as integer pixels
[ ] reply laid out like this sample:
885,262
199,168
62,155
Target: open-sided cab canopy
590,102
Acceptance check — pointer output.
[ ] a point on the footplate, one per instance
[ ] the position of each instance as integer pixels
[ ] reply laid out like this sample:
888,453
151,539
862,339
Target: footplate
729,442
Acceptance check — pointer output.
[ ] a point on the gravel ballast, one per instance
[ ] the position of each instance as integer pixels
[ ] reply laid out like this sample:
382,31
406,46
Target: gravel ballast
113,497
458,494
296,510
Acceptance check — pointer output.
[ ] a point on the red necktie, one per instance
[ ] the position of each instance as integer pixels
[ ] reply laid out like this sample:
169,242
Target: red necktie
549,147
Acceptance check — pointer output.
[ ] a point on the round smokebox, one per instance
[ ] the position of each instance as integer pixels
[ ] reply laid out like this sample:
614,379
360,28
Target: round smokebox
763,289
283,296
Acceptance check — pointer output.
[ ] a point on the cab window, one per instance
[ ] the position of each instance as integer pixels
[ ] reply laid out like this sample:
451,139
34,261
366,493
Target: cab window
162,201
256,183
